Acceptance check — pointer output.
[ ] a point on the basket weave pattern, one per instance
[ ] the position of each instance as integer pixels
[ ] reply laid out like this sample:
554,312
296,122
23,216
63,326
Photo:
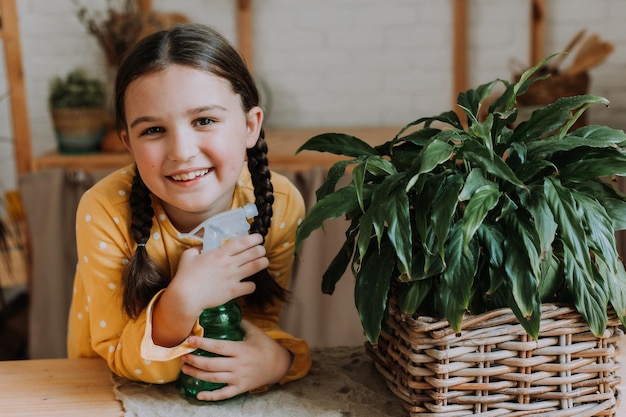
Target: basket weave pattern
494,369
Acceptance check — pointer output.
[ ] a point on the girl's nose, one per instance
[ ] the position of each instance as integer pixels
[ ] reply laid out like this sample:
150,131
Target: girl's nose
182,145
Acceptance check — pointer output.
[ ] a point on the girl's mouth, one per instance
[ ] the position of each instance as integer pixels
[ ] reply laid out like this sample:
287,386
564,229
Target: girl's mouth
188,176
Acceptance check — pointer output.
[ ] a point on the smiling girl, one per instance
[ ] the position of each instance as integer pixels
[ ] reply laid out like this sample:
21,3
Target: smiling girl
187,111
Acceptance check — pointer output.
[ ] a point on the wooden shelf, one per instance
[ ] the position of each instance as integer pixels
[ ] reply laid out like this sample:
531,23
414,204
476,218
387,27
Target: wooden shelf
282,145
83,162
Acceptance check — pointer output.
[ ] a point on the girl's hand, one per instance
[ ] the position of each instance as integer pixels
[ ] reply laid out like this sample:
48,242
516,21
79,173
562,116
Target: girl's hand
210,279
256,361
205,280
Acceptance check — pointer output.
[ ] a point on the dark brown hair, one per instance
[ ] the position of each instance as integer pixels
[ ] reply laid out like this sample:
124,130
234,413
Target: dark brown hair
200,47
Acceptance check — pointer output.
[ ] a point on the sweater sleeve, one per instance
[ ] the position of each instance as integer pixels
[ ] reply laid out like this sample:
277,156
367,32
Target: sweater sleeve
98,325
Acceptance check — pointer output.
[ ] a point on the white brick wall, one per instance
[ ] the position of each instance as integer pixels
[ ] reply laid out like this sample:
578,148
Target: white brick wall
336,62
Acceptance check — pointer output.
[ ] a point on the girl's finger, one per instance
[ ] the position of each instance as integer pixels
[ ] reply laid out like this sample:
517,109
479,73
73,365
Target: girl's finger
206,364
220,347
228,391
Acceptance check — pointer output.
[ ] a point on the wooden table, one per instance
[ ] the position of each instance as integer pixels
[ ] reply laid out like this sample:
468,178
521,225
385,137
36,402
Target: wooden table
57,387
83,387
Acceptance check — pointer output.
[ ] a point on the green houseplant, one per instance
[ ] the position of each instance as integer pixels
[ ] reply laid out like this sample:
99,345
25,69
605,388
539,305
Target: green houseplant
455,221
473,218
79,115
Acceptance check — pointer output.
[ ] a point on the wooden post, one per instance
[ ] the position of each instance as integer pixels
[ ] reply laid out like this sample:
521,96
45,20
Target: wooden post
145,7
537,31
244,32
459,51
17,92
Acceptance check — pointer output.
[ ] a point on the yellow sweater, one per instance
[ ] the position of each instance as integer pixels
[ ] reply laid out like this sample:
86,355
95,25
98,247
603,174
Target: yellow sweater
97,324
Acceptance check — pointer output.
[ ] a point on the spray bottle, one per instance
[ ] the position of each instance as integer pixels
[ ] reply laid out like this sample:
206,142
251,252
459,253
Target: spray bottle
222,322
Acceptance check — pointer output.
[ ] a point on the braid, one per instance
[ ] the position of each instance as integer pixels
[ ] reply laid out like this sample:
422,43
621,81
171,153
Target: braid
263,188
266,287
142,278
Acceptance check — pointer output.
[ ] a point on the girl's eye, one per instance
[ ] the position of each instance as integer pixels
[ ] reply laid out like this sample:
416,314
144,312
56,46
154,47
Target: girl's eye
152,131
204,121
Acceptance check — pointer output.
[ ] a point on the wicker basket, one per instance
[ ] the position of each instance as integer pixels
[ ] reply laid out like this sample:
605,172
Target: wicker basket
494,369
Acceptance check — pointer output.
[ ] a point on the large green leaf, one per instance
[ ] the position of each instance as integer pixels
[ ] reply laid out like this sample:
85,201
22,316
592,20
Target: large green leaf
616,209
475,180
339,144
589,298
521,263
335,173
375,165
617,286
542,149
358,180
372,287
476,154
433,155
599,228
430,187
551,278
528,77
340,262
451,308
567,216
399,227
530,322
420,138
482,131
458,277
543,219
471,99
330,207
480,204
504,103
425,265
533,170
449,117
551,117
445,204
613,200
601,133
602,163
389,206
411,295
491,241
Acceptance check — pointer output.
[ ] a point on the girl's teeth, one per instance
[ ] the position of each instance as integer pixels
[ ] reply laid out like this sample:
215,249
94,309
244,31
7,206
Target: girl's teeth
189,176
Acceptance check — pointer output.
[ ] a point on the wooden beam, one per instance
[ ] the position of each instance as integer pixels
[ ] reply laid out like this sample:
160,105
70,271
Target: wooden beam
244,32
17,92
537,31
145,7
459,50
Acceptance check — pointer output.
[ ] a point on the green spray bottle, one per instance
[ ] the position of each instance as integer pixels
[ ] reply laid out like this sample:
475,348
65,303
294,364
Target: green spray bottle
222,322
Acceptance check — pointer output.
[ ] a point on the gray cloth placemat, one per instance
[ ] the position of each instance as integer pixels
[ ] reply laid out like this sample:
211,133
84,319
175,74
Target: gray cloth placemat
342,382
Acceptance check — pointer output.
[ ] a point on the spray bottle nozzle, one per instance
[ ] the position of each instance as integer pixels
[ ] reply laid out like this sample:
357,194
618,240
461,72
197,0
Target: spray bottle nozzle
216,230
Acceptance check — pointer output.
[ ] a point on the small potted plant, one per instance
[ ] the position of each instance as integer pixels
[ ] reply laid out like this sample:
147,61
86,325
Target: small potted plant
484,254
79,115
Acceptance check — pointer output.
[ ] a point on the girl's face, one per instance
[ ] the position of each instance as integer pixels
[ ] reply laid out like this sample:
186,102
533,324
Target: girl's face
188,134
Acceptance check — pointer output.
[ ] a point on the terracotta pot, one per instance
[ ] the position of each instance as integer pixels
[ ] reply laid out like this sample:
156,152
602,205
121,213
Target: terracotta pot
111,143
